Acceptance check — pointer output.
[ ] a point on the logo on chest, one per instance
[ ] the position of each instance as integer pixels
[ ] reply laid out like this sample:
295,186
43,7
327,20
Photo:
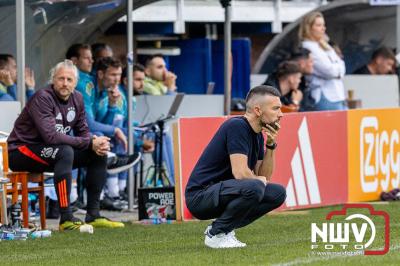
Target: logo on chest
71,114
60,128
59,117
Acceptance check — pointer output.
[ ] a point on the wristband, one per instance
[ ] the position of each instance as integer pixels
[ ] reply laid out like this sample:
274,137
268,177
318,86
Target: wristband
271,147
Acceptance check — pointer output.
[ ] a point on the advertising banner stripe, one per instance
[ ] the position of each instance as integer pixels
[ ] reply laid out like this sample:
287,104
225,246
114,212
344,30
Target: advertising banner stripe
308,163
298,178
290,196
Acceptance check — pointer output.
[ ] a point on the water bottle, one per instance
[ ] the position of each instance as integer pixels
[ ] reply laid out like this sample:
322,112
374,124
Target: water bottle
40,234
7,235
35,235
156,221
21,234
16,215
150,221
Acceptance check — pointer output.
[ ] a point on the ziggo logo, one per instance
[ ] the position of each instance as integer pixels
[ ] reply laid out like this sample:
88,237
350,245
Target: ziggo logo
379,156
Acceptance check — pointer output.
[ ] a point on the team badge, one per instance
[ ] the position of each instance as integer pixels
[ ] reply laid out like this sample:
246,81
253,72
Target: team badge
71,114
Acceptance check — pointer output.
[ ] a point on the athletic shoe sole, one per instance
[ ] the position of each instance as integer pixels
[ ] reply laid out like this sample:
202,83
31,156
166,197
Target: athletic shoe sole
120,169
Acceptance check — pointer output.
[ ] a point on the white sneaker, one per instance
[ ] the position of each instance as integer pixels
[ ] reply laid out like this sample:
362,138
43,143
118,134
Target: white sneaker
221,240
233,238
207,229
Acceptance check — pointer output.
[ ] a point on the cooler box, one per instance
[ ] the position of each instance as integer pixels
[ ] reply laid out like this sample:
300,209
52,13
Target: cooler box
157,203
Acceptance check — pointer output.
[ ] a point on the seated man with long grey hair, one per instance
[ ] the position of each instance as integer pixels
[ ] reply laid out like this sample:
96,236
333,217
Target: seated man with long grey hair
51,135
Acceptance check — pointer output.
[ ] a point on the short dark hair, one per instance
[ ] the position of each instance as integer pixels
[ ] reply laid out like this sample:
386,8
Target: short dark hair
104,63
98,47
287,68
75,50
300,53
151,57
136,67
262,90
384,52
4,60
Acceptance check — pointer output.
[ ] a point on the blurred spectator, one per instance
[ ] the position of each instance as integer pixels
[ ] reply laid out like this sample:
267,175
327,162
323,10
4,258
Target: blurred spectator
287,79
138,79
304,60
8,79
303,57
159,80
109,71
81,55
101,50
382,62
141,142
325,82
112,110
144,142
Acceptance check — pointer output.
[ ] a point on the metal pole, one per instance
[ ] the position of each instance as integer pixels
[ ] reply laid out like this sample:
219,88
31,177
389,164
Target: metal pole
129,74
179,24
398,29
277,23
20,22
227,56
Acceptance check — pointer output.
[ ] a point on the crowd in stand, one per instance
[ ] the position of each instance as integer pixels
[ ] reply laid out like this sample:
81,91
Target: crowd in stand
312,78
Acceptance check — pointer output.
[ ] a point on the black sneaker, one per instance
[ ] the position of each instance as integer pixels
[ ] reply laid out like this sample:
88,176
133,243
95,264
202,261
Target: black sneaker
122,163
77,205
52,209
123,195
113,204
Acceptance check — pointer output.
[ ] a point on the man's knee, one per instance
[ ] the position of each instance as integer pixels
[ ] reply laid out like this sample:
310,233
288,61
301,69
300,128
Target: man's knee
101,159
281,194
253,189
65,153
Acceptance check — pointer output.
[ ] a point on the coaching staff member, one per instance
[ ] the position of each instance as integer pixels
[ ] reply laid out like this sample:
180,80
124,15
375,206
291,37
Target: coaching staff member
231,180
51,135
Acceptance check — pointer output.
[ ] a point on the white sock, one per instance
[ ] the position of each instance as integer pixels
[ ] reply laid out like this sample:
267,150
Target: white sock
51,193
74,194
122,184
112,187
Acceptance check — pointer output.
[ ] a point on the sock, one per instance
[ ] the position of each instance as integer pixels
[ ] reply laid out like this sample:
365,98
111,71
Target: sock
122,184
112,187
74,193
63,189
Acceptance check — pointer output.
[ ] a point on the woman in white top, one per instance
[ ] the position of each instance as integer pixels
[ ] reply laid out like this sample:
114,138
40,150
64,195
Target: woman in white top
325,82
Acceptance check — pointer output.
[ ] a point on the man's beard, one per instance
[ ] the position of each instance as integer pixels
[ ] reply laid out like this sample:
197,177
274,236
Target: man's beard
272,124
262,123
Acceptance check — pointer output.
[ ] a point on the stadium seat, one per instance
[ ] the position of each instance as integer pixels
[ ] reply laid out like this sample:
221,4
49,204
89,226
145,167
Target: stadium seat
19,186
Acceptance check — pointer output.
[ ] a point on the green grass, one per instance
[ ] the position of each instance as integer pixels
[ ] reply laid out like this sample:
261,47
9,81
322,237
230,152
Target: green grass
273,239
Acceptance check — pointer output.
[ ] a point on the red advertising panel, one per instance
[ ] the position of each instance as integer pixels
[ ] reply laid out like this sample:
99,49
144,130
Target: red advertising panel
194,135
311,159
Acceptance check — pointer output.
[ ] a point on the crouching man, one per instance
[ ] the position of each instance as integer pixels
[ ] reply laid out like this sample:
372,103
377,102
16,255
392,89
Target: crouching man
231,180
